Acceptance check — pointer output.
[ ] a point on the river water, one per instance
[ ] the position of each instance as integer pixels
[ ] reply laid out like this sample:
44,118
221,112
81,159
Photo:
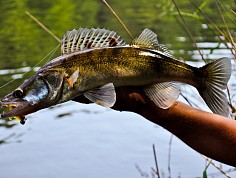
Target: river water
79,140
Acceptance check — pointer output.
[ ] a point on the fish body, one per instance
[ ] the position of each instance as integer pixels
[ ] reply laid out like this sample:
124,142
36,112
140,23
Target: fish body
121,66
94,61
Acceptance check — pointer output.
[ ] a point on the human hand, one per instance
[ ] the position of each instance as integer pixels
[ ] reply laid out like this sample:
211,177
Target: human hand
128,98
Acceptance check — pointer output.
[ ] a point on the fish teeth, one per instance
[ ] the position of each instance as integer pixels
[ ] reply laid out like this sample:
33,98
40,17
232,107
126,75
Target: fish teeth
14,105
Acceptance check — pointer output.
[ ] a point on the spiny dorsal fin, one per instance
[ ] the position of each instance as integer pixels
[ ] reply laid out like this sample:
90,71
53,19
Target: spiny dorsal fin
148,39
84,38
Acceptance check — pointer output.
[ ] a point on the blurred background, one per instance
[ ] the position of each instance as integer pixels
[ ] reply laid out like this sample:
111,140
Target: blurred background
78,140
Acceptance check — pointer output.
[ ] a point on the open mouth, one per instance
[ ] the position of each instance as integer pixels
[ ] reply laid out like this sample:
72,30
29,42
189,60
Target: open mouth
16,110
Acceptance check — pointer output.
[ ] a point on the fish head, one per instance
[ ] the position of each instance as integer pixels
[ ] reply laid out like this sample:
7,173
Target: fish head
40,91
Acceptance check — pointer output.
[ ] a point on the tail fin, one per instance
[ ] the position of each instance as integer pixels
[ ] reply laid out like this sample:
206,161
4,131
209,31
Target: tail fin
217,75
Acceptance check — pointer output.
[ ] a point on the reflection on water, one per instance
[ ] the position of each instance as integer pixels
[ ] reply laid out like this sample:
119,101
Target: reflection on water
212,51
87,136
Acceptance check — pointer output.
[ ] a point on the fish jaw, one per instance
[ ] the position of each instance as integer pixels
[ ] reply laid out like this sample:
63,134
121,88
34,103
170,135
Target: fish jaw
39,92
17,109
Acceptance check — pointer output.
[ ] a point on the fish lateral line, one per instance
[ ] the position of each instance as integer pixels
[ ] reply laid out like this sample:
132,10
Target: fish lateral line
95,61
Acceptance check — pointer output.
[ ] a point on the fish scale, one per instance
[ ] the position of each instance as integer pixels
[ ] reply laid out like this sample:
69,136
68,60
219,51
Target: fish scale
95,61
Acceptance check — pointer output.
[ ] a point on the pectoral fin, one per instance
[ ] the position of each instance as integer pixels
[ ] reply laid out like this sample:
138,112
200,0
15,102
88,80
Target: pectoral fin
163,94
73,78
104,96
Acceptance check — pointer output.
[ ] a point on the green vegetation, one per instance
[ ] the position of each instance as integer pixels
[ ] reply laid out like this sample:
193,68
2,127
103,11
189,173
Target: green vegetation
23,43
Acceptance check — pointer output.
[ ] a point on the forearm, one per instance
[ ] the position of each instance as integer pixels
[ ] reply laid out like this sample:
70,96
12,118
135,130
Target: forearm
209,134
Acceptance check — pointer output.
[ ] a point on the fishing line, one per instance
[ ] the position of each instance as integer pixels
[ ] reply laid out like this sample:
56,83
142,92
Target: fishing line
50,54
53,52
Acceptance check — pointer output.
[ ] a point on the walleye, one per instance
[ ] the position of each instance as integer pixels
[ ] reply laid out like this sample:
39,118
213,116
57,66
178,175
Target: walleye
94,61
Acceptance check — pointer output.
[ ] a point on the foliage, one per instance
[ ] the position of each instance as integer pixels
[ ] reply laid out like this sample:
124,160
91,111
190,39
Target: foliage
23,43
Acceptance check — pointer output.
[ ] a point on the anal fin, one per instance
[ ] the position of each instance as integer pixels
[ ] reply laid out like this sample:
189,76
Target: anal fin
163,94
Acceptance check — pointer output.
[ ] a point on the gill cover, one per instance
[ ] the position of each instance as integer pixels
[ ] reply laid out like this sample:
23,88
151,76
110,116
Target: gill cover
43,87
37,93
53,81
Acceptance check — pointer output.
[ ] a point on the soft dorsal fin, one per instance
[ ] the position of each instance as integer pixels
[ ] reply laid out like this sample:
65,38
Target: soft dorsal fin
148,39
164,49
84,38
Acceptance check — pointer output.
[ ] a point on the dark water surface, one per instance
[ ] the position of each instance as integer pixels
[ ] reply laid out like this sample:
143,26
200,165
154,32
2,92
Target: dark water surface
76,140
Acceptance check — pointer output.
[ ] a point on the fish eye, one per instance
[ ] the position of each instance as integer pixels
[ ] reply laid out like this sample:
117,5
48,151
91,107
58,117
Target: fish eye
18,93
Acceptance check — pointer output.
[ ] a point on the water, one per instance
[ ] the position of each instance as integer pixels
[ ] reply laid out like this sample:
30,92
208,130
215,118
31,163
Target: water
90,142
78,140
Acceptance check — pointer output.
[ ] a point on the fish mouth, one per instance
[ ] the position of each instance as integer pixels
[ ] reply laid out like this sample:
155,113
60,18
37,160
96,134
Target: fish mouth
16,110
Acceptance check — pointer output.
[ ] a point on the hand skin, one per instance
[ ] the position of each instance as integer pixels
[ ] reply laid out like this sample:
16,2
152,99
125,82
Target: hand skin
209,134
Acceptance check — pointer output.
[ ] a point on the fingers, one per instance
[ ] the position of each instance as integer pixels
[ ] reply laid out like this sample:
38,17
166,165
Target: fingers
81,99
129,99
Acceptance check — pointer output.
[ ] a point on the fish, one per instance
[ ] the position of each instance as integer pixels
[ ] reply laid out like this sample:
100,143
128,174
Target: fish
94,61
